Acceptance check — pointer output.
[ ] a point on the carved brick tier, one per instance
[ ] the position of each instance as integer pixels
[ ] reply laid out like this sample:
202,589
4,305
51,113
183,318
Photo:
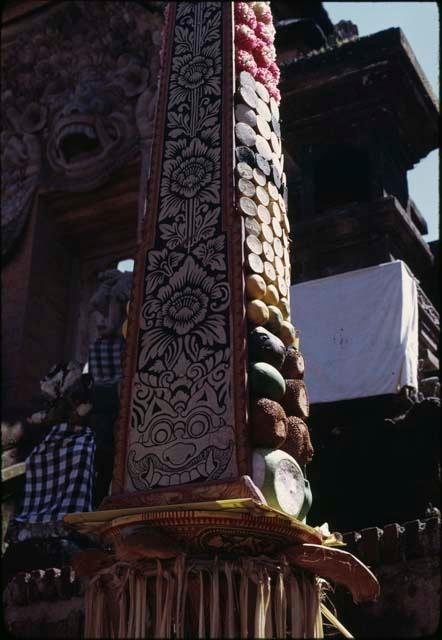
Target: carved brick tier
369,84
393,542
429,334
358,236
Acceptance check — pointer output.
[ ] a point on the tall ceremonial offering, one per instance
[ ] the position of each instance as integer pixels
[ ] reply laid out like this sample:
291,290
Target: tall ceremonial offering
205,530
183,418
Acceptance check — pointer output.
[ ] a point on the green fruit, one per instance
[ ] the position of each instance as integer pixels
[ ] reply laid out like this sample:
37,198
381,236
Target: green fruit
266,381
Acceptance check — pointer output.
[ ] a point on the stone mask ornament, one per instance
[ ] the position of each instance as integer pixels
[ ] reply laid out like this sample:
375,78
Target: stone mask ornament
78,98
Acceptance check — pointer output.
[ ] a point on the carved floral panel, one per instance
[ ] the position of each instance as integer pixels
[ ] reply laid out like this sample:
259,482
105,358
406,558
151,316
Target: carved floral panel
181,424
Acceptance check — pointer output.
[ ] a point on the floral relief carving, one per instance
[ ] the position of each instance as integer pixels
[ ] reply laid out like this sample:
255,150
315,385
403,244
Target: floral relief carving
181,425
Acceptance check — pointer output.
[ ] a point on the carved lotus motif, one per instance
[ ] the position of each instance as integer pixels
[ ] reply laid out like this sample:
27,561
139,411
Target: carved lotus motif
194,72
181,312
191,173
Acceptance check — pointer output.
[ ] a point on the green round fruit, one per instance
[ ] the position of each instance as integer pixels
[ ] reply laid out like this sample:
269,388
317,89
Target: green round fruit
266,381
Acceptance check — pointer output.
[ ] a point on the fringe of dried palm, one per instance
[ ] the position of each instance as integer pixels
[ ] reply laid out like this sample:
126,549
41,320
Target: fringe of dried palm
246,598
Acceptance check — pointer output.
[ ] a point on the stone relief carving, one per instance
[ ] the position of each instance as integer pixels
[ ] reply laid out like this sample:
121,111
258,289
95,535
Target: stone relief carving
181,411
78,97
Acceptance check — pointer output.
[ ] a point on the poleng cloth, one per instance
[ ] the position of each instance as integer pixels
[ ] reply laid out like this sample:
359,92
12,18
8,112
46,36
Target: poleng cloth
59,475
105,358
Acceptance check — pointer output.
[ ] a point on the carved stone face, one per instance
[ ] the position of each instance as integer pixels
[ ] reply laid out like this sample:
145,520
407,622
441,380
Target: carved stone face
186,443
87,131
78,98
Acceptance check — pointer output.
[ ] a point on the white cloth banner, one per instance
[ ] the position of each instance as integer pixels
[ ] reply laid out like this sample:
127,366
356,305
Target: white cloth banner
358,331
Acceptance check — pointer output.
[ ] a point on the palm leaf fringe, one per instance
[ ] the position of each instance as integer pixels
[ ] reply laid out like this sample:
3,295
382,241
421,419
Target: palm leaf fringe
253,597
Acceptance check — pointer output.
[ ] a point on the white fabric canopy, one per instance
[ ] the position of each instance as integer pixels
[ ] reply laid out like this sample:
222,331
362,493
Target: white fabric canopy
359,332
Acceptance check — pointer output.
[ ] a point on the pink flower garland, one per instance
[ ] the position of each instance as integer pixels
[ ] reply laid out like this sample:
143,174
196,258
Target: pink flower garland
245,37
245,61
265,32
254,42
244,14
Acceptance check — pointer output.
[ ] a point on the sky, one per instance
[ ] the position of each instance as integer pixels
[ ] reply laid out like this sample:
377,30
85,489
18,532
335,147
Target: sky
420,23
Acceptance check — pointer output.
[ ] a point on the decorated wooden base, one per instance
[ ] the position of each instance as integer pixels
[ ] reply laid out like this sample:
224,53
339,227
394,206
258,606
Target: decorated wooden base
221,570
205,532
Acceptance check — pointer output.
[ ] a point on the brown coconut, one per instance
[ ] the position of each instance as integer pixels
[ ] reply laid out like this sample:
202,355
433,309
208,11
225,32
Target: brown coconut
298,443
295,400
268,423
294,367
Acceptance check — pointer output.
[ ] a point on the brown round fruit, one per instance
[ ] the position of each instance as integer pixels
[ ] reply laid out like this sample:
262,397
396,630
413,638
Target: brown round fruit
294,365
298,443
295,401
268,423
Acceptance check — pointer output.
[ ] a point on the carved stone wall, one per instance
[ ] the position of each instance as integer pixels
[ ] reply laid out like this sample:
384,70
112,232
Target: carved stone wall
406,561
79,84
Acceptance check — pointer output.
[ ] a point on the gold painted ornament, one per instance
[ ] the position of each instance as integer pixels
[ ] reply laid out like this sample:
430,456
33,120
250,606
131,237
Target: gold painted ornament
284,306
259,177
266,232
268,252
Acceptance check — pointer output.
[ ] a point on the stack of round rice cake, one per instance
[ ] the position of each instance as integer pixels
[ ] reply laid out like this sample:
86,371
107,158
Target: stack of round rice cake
260,179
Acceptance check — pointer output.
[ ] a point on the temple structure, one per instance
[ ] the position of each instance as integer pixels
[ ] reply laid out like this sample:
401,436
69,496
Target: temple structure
92,108
359,114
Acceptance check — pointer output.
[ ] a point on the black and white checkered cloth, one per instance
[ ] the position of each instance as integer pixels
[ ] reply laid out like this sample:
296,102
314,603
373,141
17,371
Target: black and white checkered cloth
59,475
105,358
